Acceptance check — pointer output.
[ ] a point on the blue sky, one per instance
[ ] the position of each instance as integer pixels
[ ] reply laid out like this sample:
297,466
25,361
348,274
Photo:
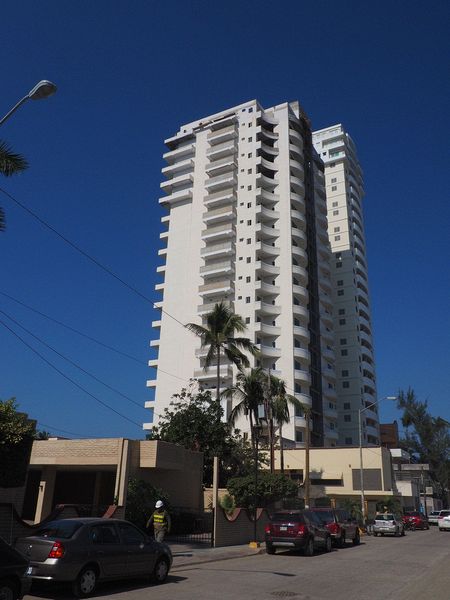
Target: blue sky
128,75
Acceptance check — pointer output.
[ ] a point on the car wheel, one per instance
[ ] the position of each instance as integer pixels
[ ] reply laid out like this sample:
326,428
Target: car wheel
375,534
356,539
8,590
341,540
86,582
160,571
309,548
270,549
440,529
403,531
328,545
397,532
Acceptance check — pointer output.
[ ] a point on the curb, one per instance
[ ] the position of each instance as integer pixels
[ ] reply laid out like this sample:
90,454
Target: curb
218,559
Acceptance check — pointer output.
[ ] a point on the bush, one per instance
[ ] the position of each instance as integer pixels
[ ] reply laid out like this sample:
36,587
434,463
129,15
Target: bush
141,500
271,487
227,503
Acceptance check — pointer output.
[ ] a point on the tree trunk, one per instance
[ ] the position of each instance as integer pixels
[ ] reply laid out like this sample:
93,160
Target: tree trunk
281,449
272,445
306,478
252,431
218,376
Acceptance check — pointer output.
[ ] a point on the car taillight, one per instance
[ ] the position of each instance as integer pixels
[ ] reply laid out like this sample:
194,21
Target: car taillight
299,530
334,528
57,550
267,529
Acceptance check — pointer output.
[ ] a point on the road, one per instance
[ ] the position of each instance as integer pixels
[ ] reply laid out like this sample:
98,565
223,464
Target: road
406,568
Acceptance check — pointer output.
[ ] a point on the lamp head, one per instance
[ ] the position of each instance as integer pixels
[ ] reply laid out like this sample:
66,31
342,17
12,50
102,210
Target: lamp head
43,89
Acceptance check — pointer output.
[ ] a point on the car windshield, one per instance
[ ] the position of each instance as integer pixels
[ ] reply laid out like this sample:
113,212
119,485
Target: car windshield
444,513
433,513
288,518
59,529
385,518
326,516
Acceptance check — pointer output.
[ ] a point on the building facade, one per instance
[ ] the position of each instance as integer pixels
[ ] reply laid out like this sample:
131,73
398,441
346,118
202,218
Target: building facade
247,224
355,362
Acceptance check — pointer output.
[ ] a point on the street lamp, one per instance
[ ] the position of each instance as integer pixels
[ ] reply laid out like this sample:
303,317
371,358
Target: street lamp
361,467
41,90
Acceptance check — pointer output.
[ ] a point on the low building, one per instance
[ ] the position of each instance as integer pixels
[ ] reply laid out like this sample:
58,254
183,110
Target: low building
389,435
95,473
414,483
335,474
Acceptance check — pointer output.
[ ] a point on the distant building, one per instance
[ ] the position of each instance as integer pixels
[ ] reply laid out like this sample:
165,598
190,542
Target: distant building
389,435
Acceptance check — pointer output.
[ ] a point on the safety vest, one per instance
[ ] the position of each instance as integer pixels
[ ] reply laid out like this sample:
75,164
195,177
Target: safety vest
159,518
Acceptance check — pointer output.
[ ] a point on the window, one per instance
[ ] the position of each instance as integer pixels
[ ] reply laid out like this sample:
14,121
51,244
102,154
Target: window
343,341
247,320
337,229
249,260
249,171
247,299
249,222
249,204
342,321
240,277
338,265
250,139
344,373
104,534
249,240
331,165
335,204
344,352
250,109
341,311
335,213
241,239
298,388
249,187
242,170
249,155
347,418
340,282
340,292
298,435
130,535
345,384
297,365
337,238
333,180
348,441
239,297
346,405
333,188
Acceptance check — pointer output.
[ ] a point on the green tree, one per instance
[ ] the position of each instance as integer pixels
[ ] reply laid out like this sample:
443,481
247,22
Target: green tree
426,437
270,488
219,337
195,421
10,164
141,499
249,394
16,439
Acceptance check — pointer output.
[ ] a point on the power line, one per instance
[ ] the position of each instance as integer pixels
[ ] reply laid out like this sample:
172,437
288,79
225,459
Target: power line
70,328
51,365
86,255
76,365
61,430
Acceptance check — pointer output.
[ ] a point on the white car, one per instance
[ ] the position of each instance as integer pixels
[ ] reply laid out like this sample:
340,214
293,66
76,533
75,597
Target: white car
444,520
433,517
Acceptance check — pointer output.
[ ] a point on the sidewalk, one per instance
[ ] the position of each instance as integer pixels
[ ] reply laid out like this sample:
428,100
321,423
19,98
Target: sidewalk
187,555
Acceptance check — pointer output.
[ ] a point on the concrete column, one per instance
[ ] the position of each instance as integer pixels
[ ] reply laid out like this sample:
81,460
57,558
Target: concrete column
97,489
45,494
121,487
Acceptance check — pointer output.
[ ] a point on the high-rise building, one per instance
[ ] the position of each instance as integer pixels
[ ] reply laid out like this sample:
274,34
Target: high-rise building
247,224
355,366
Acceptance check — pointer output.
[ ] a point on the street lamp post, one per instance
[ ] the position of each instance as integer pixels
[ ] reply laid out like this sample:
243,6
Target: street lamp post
361,465
41,90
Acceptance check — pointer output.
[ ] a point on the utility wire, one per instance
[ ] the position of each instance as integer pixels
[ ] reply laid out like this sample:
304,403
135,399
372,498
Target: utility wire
76,365
51,365
86,255
70,328
61,430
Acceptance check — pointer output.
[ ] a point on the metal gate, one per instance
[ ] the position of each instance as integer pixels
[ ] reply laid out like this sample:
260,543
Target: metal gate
192,528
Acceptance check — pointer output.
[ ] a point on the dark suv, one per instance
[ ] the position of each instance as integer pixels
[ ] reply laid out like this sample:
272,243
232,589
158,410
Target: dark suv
14,582
340,524
299,530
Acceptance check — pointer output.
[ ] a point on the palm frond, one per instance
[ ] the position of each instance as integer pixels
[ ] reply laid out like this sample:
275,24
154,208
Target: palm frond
10,162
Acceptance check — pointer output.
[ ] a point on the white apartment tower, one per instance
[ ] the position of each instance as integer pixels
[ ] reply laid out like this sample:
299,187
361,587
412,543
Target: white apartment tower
355,366
247,224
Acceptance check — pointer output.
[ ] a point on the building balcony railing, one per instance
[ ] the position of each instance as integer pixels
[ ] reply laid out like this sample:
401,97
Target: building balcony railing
263,249
302,376
302,332
224,285
266,289
181,153
217,250
223,213
266,329
263,269
176,196
266,308
265,233
221,182
222,231
213,269
300,310
210,374
222,135
266,215
176,167
225,196
302,353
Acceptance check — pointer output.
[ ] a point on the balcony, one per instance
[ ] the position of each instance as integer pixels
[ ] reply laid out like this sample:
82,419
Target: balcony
219,232
226,196
216,215
268,198
170,184
214,269
221,182
266,289
266,215
269,351
264,308
300,236
210,374
265,149
182,165
296,150
263,249
329,354
224,286
222,135
300,310
263,269
177,196
156,324
265,233
263,134
298,218
302,376
221,150
266,183
300,292
300,273
300,255
297,184
218,250
326,317
330,434
302,354
221,166
302,332
298,201
203,309
179,153
266,329
329,393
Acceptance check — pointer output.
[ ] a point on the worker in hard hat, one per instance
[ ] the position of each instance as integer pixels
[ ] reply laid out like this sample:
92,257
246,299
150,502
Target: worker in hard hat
160,520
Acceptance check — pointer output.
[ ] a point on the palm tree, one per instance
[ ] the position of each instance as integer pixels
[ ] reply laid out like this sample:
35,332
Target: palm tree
219,336
280,401
249,391
10,164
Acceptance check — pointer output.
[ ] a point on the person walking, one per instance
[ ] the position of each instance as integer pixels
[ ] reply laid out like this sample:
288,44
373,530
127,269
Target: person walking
160,520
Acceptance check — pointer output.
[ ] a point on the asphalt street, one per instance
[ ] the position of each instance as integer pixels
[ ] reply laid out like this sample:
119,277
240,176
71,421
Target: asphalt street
406,568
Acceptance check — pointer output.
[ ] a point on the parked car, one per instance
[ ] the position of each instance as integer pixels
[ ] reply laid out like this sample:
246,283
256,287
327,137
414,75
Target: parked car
340,525
444,520
300,530
433,517
388,523
86,551
416,519
14,581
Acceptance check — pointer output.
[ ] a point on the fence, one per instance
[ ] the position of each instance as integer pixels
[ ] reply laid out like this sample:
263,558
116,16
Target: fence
191,528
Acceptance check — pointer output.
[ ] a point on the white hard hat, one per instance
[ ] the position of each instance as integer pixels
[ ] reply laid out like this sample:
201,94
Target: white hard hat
158,504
